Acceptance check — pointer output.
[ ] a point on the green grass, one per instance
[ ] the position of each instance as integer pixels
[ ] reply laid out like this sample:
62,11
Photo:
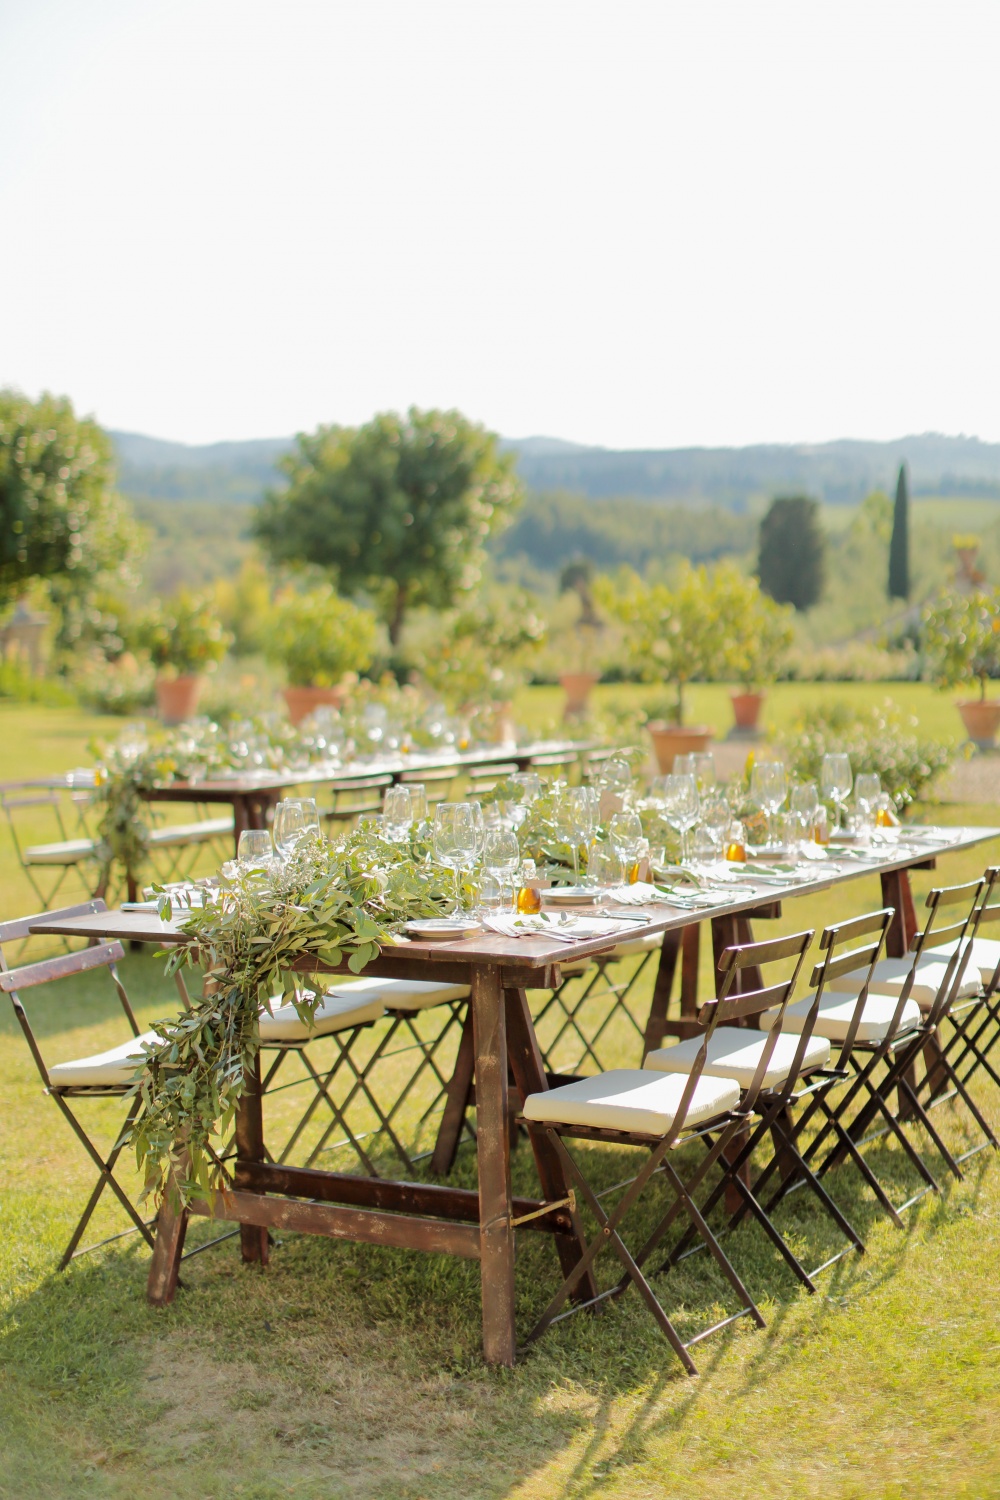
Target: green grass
348,1371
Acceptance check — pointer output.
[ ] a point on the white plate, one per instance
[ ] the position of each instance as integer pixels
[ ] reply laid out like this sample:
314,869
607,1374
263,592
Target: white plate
570,895
440,930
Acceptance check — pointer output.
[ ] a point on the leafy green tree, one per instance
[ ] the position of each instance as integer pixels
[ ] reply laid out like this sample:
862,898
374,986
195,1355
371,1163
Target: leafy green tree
792,557
60,516
398,509
962,639
899,543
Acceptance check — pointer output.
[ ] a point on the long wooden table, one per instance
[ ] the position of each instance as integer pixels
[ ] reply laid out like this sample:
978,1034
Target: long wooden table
479,1225
253,794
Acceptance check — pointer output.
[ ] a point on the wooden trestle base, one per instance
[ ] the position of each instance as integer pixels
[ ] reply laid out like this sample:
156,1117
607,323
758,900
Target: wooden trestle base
477,1225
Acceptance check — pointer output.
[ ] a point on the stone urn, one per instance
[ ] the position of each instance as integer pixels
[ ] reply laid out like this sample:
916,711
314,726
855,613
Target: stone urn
303,701
577,687
981,718
671,739
746,712
177,697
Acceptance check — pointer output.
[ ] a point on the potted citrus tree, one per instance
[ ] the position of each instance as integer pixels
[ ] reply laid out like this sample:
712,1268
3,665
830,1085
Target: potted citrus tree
185,640
581,675
962,645
673,635
323,642
756,634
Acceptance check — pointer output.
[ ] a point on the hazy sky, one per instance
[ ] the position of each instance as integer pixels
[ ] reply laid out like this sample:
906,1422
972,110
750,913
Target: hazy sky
626,224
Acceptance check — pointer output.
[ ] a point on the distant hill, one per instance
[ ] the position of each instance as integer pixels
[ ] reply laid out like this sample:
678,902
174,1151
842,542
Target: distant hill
841,473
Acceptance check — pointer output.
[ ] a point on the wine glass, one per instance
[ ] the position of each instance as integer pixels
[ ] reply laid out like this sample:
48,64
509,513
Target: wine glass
289,826
531,785
501,857
680,806
703,770
867,790
455,842
626,839
254,851
397,814
835,781
574,822
805,800
716,818
769,788
418,801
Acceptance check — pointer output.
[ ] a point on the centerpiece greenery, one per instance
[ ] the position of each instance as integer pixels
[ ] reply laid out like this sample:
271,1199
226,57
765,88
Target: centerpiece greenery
333,905
881,739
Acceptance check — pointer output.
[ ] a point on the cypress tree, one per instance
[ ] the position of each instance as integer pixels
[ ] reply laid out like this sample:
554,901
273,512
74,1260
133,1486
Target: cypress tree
791,561
899,544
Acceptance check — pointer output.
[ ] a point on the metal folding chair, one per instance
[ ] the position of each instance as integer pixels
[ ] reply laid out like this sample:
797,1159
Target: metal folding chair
48,865
107,1075
660,1111
889,1065
590,1009
975,1023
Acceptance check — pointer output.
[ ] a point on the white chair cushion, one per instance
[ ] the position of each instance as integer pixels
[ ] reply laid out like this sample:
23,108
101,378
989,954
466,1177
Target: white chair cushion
890,975
69,852
116,1066
985,955
637,945
402,994
836,1012
630,1099
190,833
335,1012
734,1052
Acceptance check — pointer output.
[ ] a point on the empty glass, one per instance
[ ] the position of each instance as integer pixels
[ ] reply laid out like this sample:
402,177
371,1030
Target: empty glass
456,840
418,801
254,851
501,859
397,814
835,781
867,790
575,822
805,799
769,788
291,825
680,806
531,785
701,765
602,865
626,841
715,819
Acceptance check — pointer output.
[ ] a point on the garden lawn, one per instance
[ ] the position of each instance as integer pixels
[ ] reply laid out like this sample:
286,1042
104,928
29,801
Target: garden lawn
350,1371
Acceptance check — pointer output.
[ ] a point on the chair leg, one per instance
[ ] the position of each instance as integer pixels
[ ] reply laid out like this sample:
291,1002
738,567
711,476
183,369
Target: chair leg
457,1104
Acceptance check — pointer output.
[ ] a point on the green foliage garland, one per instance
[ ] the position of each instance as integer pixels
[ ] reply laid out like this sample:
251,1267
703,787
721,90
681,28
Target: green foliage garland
333,904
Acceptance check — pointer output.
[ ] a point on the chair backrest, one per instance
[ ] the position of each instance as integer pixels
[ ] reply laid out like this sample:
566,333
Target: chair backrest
958,908
26,976
736,1004
848,947
554,759
18,800
988,913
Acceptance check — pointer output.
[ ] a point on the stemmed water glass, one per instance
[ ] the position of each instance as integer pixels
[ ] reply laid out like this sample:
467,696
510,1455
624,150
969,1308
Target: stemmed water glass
418,801
867,791
501,858
701,765
715,818
626,840
769,788
294,820
397,814
456,840
531,785
254,851
680,807
835,781
575,822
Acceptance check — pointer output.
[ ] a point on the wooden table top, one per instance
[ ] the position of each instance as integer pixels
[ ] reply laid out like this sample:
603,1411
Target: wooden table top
539,951
248,783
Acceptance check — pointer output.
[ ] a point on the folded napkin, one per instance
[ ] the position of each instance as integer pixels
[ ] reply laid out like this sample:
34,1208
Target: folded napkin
564,928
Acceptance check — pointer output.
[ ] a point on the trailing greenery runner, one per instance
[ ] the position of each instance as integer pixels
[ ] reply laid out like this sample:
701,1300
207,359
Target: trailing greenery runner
333,903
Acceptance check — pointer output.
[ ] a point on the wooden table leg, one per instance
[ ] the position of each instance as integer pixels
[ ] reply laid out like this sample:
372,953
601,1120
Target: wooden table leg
496,1232
690,959
656,1026
254,1239
456,1103
171,1227
896,892
528,1068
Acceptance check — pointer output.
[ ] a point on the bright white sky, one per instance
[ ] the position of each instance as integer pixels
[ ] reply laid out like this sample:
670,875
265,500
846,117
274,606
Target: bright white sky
624,223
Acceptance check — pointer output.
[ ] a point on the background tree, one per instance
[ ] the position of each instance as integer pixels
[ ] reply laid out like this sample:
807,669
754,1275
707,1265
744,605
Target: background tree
791,562
60,516
398,509
899,542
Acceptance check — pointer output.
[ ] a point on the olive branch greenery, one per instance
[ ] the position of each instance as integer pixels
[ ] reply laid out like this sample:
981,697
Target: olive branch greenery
330,903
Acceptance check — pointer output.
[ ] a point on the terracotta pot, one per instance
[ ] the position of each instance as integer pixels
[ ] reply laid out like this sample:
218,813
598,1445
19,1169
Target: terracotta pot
577,686
981,720
669,740
303,701
177,698
746,710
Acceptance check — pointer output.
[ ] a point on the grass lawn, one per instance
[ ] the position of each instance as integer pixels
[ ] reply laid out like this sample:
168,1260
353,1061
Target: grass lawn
349,1371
